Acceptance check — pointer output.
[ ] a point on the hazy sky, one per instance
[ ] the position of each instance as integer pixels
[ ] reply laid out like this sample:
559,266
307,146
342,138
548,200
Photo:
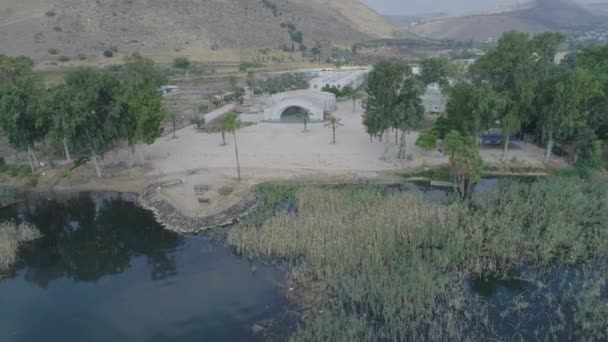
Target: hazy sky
411,7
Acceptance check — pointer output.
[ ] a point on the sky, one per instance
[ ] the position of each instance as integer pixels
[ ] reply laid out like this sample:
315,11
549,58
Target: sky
413,7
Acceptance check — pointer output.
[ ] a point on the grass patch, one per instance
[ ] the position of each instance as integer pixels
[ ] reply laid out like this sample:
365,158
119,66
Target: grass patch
400,268
11,237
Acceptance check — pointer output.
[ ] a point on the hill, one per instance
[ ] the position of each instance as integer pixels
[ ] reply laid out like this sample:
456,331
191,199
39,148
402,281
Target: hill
32,27
535,16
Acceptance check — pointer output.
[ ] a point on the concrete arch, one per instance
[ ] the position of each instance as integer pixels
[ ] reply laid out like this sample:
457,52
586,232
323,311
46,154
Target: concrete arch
274,112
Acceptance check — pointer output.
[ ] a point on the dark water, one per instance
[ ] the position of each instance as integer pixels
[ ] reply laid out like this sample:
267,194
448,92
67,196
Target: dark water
106,271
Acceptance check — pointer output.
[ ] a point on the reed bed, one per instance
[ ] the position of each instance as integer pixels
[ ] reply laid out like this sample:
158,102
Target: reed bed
398,268
12,235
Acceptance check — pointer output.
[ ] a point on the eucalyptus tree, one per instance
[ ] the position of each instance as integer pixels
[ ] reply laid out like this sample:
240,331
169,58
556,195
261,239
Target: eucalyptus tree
473,107
566,105
96,123
139,104
59,107
334,122
436,70
595,60
232,124
21,94
509,69
393,101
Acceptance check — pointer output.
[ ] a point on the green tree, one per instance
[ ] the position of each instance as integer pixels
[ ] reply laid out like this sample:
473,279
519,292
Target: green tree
21,98
465,161
233,81
393,101
436,70
141,71
181,63
595,60
509,69
567,102
144,115
410,112
58,106
334,122
98,124
472,108
231,124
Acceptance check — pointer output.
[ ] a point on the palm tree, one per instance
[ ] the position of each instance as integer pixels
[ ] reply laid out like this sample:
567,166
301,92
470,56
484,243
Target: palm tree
231,124
305,116
333,123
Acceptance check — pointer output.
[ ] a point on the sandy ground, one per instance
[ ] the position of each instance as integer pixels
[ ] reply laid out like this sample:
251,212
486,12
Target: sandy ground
273,151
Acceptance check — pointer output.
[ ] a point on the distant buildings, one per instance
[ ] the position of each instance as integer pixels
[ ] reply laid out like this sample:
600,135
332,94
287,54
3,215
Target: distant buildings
339,79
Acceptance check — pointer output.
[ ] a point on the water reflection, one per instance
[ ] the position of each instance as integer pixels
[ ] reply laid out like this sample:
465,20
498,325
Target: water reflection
106,271
87,237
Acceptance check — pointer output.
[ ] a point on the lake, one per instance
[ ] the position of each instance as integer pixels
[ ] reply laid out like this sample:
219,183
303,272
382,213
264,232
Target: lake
105,270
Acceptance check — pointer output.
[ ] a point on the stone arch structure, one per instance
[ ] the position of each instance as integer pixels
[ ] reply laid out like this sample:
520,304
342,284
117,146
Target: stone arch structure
275,112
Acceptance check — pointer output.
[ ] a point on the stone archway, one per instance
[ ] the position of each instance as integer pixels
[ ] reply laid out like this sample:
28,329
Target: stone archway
293,114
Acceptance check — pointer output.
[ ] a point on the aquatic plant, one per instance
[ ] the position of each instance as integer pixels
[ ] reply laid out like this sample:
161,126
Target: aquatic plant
400,268
12,235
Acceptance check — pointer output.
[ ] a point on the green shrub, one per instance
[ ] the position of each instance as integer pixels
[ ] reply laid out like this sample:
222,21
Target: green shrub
64,59
53,51
57,29
82,56
181,62
199,122
50,14
427,141
108,54
203,107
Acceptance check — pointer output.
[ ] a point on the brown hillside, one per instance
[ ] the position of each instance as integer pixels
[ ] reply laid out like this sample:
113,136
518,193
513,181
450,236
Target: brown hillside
539,15
31,27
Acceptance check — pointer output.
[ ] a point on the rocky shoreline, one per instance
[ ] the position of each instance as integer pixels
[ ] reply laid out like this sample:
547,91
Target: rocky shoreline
170,218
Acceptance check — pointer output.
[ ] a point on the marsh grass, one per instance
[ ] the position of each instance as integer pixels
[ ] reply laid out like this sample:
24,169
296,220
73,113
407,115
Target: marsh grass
12,235
399,268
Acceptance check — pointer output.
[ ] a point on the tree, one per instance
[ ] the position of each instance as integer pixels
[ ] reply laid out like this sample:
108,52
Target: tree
251,82
436,70
58,106
355,95
231,124
465,161
333,123
98,124
233,81
393,101
567,103
472,108
595,60
304,115
144,114
141,71
410,112
509,69
181,63
21,95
